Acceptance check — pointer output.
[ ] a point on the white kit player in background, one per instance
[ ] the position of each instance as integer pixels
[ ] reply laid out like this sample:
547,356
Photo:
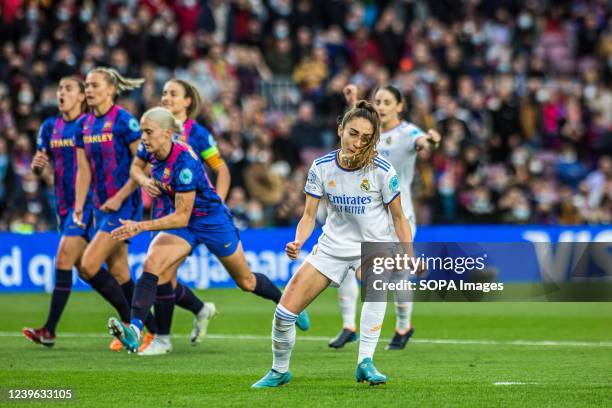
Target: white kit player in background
359,190
399,143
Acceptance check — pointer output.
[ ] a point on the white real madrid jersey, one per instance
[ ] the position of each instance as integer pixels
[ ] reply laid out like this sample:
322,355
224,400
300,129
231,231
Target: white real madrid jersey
356,203
398,146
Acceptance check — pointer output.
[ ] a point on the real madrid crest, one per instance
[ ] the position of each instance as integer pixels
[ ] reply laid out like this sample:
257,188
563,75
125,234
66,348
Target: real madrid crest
365,185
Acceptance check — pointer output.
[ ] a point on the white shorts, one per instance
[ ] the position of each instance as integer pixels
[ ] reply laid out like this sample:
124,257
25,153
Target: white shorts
333,267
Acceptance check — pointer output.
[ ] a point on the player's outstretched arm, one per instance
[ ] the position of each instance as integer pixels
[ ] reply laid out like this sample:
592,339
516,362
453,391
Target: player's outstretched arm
183,202
430,141
83,181
350,94
138,172
304,227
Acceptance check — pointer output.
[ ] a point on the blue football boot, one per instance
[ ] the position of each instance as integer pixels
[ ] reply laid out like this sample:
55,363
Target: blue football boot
367,372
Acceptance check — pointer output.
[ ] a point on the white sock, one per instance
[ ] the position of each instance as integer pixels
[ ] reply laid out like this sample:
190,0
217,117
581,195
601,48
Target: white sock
283,338
403,310
203,311
372,316
403,304
163,338
348,292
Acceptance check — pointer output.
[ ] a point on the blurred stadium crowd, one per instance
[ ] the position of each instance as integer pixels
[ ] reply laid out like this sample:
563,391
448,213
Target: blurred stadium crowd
519,90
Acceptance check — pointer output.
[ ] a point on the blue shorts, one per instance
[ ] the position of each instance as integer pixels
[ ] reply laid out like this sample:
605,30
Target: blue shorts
68,228
221,238
108,221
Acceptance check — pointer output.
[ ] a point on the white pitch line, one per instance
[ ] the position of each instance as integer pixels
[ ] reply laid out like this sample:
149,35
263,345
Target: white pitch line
513,383
539,343
516,342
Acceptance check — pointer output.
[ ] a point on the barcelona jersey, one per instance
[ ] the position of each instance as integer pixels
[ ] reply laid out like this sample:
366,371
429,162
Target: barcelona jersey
106,140
57,138
180,172
201,141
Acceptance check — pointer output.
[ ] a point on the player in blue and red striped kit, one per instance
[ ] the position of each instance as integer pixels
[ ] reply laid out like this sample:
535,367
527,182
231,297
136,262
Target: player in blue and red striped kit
55,144
183,100
105,148
195,214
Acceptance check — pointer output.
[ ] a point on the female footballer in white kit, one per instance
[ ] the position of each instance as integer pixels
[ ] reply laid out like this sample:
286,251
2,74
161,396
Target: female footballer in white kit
359,189
399,143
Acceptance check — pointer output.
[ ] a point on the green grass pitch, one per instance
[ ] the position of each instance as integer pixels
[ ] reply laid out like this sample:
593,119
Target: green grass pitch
477,354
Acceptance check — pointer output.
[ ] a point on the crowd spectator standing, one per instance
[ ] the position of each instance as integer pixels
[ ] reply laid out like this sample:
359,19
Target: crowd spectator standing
519,89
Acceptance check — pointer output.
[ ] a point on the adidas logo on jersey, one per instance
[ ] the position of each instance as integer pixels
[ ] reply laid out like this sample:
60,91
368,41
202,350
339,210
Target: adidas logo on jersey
331,184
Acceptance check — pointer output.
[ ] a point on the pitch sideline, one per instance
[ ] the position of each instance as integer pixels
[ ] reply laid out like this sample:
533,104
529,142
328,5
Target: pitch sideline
479,342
